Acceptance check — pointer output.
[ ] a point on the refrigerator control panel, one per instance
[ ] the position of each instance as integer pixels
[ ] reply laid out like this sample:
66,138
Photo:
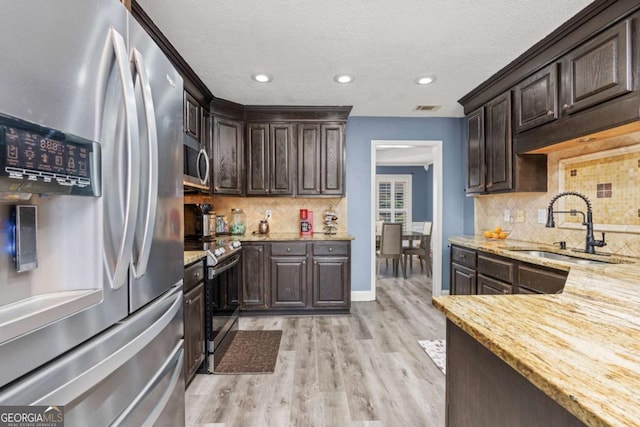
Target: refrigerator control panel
36,159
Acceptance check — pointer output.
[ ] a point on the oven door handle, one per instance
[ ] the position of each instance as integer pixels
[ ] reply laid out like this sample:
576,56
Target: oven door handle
231,262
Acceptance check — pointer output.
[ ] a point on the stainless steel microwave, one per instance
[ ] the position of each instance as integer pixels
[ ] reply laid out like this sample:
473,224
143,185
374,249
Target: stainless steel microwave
196,165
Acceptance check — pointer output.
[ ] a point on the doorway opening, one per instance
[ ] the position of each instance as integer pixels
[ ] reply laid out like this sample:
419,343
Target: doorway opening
413,153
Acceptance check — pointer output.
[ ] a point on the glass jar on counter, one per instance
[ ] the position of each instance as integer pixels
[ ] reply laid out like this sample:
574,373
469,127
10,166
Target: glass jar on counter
237,221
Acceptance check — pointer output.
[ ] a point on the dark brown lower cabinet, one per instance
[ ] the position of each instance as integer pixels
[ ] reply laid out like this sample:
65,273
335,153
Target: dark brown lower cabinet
288,282
488,274
193,330
463,280
483,391
489,286
254,274
298,277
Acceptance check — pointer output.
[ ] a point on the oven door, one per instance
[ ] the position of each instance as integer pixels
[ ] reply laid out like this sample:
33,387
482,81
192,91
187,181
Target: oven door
222,299
196,165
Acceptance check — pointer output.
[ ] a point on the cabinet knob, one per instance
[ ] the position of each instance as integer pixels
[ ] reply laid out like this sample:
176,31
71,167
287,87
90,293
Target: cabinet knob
188,301
565,107
315,262
216,188
304,262
330,249
266,190
288,249
550,113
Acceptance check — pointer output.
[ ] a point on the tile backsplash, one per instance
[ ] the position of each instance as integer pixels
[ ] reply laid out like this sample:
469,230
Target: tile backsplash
601,178
285,211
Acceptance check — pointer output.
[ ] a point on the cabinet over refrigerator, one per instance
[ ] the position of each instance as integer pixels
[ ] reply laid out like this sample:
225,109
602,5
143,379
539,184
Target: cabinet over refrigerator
97,326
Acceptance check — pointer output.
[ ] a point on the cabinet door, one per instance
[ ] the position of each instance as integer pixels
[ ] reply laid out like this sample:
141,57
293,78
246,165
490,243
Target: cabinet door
598,70
192,116
498,144
281,159
475,152
254,277
463,280
308,159
228,159
536,99
257,159
330,285
488,286
331,158
194,330
288,282
539,280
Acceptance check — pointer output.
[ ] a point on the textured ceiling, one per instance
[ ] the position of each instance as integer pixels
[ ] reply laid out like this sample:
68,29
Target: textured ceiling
386,44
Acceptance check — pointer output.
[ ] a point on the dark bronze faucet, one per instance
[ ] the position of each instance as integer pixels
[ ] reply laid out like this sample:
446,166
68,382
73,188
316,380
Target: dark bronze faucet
587,220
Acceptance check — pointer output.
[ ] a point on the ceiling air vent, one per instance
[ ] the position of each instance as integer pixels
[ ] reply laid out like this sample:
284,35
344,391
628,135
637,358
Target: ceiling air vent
428,107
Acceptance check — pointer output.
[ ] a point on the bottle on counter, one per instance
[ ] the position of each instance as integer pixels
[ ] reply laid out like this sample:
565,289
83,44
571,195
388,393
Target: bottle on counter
237,221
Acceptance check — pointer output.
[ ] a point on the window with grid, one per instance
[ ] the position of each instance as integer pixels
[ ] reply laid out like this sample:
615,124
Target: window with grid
393,199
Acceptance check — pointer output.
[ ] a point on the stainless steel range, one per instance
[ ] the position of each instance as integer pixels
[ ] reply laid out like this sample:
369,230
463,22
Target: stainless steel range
222,295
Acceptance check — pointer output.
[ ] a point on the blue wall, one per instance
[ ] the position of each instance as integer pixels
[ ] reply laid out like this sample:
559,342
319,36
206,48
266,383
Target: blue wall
456,207
421,189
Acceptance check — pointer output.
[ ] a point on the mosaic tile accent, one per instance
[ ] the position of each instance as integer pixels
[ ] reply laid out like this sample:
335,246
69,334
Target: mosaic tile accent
574,172
604,190
623,240
617,166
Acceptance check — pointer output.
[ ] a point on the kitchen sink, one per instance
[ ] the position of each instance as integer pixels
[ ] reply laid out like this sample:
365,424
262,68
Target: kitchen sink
560,257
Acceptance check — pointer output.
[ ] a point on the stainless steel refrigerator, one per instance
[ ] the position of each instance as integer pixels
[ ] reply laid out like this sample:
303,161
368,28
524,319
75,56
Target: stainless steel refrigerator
97,325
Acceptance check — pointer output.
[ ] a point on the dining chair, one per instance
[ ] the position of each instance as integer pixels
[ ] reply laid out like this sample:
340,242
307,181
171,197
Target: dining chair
422,251
391,247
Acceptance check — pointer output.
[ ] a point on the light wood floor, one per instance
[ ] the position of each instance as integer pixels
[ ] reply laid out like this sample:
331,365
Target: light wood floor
366,369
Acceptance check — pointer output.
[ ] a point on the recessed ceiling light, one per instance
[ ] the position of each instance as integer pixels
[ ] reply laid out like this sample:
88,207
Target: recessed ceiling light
262,77
425,80
343,78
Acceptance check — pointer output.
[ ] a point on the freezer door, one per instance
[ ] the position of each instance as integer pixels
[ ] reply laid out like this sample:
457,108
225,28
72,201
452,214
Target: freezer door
158,244
131,374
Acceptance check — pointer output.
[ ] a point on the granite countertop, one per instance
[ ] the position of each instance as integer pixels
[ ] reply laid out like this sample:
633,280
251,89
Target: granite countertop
581,347
192,256
274,237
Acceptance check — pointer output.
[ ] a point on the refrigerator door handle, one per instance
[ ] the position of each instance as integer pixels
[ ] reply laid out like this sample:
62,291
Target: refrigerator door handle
139,265
152,417
91,377
123,256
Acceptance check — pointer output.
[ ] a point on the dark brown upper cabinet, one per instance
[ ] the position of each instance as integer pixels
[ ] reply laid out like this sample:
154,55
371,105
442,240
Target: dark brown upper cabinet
269,159
492,166
475,152
321,159
598,70
192,116
536,99
498,144
582,80
228,157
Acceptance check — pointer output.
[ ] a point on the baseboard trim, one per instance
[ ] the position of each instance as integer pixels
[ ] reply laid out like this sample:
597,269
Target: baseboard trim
363,296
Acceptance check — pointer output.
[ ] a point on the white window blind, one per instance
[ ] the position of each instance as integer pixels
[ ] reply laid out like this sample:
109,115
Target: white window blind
393,199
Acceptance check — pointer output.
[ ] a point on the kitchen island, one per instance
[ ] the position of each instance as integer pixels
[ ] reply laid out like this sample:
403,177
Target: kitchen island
578,350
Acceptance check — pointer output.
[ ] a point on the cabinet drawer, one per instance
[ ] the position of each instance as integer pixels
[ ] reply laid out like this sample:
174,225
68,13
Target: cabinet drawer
289,248
533,279
489,286
497,268
193,275
333,248
465,257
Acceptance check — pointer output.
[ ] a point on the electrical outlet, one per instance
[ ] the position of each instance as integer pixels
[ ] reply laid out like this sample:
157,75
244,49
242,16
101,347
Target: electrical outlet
542,216
507,215
520,215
